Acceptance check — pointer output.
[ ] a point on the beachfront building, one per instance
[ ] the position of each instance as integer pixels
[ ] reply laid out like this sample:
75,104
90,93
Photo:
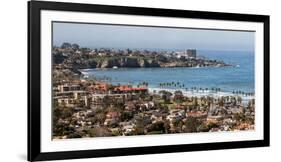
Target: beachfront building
129,89
71,99
71,95
98,87
69,87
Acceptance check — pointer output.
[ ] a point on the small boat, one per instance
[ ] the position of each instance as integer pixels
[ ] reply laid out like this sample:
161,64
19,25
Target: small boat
114,67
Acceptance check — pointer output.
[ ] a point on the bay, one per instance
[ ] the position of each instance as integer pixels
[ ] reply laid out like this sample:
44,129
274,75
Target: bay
239,77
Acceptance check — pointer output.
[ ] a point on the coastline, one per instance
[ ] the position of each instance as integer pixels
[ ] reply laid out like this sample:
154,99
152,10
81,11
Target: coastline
201,93
190,93
109,92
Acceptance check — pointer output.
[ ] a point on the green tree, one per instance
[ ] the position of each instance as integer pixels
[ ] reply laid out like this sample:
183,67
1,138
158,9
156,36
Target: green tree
66,45
75,46
166,96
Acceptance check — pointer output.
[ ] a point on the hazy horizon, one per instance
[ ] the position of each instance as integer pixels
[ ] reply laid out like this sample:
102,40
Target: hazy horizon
154,38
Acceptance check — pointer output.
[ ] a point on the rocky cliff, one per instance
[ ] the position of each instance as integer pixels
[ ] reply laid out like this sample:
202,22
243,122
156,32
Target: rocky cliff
134,62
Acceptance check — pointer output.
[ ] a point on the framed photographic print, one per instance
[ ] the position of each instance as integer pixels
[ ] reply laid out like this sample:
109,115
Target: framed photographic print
115,80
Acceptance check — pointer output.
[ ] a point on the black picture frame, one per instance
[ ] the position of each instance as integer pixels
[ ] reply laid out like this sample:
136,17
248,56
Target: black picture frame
34,80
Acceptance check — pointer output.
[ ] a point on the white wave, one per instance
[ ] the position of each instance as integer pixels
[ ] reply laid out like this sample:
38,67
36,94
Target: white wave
201,93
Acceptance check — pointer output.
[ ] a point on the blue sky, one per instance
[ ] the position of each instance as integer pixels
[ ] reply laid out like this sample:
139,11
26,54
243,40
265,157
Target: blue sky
114,36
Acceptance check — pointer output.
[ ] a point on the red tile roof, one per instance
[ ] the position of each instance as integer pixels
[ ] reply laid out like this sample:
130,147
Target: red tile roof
127,88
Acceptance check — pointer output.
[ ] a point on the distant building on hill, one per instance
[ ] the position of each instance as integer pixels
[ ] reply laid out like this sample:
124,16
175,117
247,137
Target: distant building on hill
191,53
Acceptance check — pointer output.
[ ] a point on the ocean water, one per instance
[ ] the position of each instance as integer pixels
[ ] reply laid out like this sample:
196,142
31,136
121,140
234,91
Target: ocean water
239,77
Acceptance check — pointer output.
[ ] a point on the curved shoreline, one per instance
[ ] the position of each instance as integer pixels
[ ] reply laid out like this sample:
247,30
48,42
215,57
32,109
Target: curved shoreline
202,94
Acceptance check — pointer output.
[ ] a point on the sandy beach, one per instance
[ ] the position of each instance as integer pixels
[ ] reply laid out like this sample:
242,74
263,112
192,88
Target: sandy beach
202,93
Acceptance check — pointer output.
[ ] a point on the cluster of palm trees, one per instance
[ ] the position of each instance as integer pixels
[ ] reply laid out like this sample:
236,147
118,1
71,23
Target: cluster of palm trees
200,89
242,93
142,84
182,86
171,84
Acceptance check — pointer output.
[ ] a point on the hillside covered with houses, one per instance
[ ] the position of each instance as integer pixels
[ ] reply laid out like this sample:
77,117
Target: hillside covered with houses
84,58
84,108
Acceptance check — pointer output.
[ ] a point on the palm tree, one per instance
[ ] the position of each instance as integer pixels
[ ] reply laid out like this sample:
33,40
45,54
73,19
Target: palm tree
239,100
146,84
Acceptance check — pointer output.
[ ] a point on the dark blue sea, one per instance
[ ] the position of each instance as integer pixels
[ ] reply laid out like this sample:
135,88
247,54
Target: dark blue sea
239,77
